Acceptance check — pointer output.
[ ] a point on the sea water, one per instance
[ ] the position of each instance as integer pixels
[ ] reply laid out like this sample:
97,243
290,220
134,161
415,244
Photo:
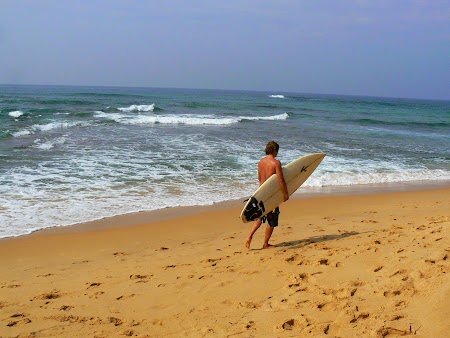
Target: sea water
74,154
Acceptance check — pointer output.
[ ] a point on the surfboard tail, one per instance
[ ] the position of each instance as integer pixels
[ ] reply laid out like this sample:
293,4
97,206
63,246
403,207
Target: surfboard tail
253,210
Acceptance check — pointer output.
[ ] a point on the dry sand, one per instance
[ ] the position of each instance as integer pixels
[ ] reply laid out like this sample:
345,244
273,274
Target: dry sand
343,266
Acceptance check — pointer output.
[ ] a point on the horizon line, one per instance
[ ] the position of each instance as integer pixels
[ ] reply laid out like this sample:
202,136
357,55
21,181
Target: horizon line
227,89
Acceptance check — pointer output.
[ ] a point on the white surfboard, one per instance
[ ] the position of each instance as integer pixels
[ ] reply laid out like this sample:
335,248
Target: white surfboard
270,195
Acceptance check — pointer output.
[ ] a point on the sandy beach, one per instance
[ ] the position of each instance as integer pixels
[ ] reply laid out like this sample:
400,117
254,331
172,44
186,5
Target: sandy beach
366,265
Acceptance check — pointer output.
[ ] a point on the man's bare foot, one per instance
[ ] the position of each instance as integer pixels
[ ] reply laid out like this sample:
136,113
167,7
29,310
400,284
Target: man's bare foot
266,246
247,243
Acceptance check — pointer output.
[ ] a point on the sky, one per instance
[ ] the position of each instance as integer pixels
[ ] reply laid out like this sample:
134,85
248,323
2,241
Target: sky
393,48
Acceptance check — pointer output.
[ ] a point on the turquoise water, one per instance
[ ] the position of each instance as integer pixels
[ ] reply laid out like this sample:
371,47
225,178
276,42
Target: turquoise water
73,154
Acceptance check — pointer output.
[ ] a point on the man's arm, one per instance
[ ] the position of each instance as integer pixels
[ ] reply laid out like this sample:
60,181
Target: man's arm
279,172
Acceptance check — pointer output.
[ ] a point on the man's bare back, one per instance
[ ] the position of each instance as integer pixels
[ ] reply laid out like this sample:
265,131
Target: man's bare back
268,166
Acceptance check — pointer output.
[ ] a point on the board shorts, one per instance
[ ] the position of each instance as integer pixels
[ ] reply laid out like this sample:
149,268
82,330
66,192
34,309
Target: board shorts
272,218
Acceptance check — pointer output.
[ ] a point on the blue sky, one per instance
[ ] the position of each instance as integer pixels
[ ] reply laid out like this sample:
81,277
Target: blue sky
393,48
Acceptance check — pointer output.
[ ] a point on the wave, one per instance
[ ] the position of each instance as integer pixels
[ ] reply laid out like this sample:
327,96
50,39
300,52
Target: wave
283,116
47,127
185,119
16,113
348,178
277,96
21,133
47,145
53,125
139,108
367,121
180,119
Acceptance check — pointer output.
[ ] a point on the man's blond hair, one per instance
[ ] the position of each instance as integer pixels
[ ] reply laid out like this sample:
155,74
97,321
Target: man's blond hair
272,148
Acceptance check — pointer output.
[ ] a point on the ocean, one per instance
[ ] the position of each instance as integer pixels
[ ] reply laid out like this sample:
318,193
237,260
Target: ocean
75,154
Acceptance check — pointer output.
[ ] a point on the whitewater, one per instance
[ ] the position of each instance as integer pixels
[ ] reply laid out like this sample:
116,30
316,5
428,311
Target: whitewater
74,154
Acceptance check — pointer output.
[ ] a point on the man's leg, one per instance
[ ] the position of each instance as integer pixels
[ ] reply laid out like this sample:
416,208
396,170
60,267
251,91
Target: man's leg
256,225
269,231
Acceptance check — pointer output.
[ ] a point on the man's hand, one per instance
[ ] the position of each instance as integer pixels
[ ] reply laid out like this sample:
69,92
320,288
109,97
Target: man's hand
279,172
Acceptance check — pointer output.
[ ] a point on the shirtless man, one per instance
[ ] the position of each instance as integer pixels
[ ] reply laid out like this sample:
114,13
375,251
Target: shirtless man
268,166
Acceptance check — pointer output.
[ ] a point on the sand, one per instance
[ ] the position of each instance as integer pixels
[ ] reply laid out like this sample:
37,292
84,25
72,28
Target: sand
374,265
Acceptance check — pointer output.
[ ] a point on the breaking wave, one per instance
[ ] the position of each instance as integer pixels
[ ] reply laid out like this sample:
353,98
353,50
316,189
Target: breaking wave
139,108
16,113
186,119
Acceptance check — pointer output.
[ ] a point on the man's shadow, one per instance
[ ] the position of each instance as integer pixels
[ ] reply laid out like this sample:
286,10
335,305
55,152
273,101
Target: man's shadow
316,239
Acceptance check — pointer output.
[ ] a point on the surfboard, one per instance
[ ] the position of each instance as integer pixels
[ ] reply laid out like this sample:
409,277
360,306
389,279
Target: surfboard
270,195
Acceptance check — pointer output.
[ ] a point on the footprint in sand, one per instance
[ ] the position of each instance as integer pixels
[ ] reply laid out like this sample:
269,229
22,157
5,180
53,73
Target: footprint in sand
249,305
390,294
303,277
81,262
401,304
92,285
297,290
48,296
264,259
325,306
65,308
125,297
289,325
400,273
169,267
96,294
12,286
293,324
47,275
212,261
362,315
369,221
141,278
249,324
115,321
395,317
128,333
18,319
291,258
390,331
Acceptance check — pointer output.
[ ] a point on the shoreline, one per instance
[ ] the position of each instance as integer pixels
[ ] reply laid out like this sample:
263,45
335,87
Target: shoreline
371,265
152,216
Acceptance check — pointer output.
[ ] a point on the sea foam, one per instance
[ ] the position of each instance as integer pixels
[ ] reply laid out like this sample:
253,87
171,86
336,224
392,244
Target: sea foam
21,133
47,127
139,108
16,113
47,145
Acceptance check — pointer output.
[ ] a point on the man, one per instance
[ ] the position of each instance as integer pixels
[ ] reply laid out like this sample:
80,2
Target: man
268,166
